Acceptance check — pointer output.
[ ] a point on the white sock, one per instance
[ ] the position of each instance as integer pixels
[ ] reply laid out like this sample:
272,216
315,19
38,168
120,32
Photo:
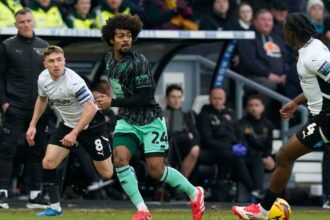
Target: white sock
56,206
142,207
5,191
194,196
262,209
34,194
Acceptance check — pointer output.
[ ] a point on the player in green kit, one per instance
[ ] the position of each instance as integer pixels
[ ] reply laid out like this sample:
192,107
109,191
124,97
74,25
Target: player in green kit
141,122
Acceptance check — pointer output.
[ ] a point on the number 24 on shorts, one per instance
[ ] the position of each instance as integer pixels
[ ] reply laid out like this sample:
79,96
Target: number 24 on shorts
159,137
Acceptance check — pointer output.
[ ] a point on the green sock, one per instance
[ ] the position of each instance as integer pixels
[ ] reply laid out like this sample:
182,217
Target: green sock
175,179
128,181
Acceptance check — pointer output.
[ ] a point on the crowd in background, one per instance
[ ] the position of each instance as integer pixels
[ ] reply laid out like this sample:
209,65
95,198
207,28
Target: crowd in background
212,138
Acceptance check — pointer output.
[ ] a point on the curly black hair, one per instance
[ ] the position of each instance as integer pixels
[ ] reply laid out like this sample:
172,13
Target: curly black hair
301,26
121,21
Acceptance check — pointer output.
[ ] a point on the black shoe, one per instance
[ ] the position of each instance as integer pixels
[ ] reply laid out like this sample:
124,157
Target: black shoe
38,203
3,201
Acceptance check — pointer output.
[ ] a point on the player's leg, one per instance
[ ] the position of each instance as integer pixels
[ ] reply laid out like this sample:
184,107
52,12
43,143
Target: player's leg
155,148
285,158
124,146
54,156
104,168
96,142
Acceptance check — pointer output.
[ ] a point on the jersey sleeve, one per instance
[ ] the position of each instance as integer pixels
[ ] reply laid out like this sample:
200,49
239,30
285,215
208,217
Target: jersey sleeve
81,91
41,87
143,79
320,66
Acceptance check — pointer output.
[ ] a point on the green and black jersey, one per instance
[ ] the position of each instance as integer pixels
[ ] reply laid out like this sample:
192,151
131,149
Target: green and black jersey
133,85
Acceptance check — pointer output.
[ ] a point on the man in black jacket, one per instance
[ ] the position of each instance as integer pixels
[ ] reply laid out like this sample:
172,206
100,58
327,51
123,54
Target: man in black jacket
258,133
182,130
21,61
222,141
263,58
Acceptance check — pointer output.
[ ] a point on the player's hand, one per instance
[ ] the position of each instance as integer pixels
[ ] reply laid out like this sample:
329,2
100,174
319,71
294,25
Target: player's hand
103,101
69,140
30,134
269,163
288,109
5,107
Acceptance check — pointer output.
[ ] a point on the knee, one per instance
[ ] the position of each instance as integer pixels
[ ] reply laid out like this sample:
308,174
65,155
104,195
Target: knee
48,164
195,151
120,162
156,171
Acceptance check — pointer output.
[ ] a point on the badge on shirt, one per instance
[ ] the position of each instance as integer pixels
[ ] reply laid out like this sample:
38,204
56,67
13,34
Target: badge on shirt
325,68
117,89
272,49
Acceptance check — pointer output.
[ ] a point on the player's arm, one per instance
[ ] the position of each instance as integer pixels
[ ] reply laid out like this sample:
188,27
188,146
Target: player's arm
88,113
319,66
85,98
288,109
39,109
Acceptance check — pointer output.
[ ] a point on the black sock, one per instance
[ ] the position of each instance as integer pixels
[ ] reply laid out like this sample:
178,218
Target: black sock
269,199
52,187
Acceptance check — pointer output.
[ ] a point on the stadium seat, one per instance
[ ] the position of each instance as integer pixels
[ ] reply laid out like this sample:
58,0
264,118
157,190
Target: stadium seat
199,102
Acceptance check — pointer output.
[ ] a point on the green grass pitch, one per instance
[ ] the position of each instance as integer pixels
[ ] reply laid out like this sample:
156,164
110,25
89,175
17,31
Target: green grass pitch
158,214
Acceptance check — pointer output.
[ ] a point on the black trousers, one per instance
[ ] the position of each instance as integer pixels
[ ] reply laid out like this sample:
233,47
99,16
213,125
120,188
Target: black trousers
227,163
16,121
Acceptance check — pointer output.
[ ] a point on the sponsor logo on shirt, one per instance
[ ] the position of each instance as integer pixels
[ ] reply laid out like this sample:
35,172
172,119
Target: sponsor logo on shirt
60,102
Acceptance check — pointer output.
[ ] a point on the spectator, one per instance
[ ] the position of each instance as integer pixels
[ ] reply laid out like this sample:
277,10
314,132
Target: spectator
245,15
8,9
81,17
315,11
280,12
170,14
182,129
258,133
219,19
47,14
20,65
263,58
110,8
222,140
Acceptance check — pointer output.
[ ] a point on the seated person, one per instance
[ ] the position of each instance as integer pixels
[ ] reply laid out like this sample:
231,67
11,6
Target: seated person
47,14
182,129
222,142
8,9
110,8
170,15
263,59
258,133
81,17
219,19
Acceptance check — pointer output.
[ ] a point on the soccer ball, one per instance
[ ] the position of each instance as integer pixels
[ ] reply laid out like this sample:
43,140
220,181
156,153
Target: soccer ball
280,210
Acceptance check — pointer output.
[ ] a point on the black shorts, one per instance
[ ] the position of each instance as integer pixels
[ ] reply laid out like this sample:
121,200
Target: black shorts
94,140
316,132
